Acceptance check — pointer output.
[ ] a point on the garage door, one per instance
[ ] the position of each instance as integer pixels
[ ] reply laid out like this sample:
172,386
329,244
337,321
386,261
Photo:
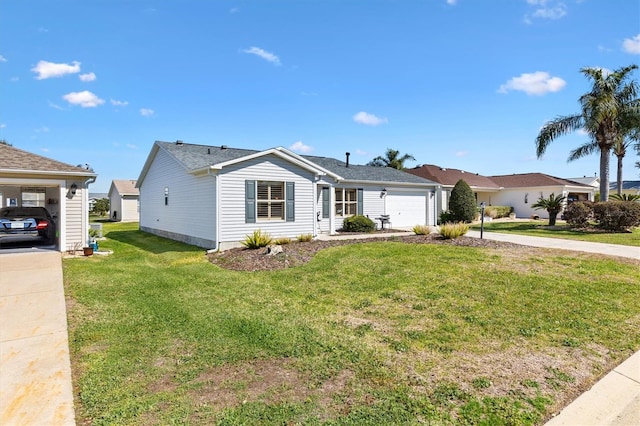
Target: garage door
406,209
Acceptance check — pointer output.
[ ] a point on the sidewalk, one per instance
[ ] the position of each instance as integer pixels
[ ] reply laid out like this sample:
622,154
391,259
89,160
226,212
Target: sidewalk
561,244
35,383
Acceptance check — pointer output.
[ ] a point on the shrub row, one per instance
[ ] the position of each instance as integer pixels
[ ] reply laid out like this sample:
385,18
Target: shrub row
496,212
610,215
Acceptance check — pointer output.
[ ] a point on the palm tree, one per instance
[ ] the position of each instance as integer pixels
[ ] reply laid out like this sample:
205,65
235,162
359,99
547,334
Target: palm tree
553,205
391,159
606,108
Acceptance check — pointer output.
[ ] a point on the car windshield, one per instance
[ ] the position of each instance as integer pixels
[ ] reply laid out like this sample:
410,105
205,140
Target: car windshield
23,212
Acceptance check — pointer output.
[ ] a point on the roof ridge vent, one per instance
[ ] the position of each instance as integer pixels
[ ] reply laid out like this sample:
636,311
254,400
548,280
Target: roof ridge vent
223,147
179,142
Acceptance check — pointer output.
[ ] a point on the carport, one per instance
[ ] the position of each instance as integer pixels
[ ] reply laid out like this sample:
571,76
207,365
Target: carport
31,180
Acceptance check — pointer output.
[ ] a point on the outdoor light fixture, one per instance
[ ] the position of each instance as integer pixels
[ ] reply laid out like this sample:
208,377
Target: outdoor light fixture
383,193
73,189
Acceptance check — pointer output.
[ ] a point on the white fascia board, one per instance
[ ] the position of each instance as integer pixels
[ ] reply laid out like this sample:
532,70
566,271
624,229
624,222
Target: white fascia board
390,183
279,152
47,172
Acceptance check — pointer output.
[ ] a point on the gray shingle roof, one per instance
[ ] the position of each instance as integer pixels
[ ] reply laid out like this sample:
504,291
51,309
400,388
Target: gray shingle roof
195,157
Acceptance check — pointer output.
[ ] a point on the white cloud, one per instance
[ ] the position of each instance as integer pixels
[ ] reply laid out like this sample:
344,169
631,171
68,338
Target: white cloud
537,83
267,56
3,59
361,152
46,69
452,2
300,147
632,45
462,153
119,103
14,79
2,125
582,132
131,146
87,77
55,106
146,112
85,99
43,129
546,9
369,119
234,10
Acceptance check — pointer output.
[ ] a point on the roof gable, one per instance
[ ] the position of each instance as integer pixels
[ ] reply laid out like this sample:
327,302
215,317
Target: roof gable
17,160
124,187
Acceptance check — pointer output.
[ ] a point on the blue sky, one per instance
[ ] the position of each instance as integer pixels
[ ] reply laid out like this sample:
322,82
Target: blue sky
459,83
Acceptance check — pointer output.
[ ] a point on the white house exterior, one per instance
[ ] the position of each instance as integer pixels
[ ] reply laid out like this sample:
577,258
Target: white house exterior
124,201
521,191
28,179
214,196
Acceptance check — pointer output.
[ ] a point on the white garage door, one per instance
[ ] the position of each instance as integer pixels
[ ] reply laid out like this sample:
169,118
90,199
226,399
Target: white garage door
407,209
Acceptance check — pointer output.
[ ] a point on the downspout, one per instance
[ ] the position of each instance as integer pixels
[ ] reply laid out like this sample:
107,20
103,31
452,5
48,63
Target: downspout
217,246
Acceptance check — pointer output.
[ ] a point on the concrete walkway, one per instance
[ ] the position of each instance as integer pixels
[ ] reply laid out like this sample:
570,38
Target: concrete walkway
35,371
557,243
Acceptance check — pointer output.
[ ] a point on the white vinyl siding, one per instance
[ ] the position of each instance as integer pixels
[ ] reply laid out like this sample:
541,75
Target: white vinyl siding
233,227
75,234
190,215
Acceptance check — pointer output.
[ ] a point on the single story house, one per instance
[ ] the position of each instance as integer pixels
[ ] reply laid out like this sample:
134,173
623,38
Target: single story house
519,191
28,179
214,196
94,197
481,185
631,187
124,201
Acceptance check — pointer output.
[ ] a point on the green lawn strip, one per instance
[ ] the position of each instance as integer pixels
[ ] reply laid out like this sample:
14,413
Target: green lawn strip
159,335
540,229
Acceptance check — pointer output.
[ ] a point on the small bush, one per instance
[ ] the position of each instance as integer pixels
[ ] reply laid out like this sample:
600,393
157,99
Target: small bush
358,223
257,240
625,197
304,238
463,203
421,230
446,217
451,231
618,216
496,212
282,241
578,213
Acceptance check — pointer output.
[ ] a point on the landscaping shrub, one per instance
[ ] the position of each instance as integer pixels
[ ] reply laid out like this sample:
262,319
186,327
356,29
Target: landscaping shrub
462,203
625,197
282,241
305,238
446,217
617,216
578,213
257,240
451,231
496,212
421,230
358,223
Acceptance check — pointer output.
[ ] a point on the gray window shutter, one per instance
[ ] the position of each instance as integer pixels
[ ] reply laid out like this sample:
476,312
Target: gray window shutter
326,202
360,207
250,201
290,201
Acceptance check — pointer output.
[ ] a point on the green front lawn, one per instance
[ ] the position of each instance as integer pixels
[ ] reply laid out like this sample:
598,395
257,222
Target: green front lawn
561,230
373,333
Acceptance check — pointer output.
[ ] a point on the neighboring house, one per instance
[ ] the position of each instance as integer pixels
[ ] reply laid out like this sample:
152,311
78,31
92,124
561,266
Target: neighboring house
95,196
628,187
521,191
124,201
587,180
482,186
28,179
213,196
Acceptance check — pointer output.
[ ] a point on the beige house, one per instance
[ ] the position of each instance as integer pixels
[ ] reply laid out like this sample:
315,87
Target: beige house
28,179
124,201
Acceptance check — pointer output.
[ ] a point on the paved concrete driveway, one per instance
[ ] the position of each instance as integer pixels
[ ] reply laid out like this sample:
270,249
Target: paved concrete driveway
35,379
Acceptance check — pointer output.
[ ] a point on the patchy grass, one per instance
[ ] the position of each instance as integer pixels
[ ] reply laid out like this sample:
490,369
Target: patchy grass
561,230
375,333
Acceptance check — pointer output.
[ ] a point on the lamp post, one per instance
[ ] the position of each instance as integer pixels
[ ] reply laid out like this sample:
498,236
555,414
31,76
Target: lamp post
482,205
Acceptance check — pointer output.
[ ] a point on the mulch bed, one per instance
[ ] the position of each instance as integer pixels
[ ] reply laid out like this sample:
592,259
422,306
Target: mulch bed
299,253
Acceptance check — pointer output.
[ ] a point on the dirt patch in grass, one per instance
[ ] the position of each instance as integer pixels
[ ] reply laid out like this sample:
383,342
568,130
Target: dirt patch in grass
299,253
270,381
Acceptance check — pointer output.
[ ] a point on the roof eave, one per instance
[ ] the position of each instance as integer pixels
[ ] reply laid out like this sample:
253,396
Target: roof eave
48,172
